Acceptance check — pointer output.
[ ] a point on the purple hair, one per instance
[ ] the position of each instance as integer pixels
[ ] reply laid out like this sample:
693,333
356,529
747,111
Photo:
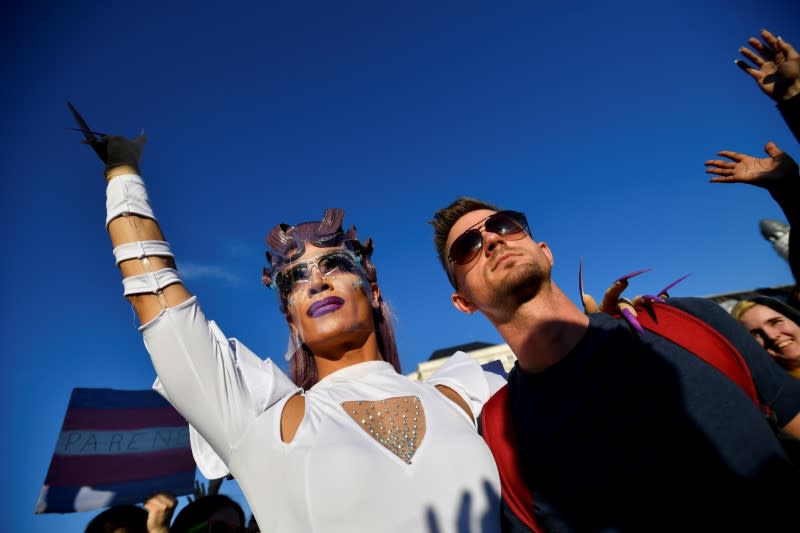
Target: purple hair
287,244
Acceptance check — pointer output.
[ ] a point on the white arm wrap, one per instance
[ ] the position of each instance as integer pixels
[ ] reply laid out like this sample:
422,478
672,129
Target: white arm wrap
150,282
141,249
126,195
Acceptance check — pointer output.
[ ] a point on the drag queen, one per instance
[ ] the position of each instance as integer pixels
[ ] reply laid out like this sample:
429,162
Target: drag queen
348,443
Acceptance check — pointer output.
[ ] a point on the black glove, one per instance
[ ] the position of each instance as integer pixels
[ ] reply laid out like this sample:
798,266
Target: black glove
116,150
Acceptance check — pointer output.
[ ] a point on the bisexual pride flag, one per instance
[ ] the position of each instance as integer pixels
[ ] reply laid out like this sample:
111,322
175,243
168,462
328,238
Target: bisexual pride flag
117,447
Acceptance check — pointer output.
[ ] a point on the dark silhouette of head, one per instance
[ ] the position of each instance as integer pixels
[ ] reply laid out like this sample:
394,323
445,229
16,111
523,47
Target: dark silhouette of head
212,507
119,519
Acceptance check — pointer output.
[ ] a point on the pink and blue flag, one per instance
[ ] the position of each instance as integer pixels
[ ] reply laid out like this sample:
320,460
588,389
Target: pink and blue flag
117,447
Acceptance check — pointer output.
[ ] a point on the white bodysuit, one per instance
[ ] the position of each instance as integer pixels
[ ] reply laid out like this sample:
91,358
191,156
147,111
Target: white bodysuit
333,476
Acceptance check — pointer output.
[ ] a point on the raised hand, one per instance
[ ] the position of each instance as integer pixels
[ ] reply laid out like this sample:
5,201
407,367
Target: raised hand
200,490
121,151
160,507
115,151
775,172
615,304
775,66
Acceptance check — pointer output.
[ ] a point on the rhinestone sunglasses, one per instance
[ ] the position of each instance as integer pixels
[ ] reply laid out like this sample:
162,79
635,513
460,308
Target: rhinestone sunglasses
327,264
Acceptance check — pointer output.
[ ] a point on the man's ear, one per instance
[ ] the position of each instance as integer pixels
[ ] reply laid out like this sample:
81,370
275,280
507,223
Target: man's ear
462,303
547,251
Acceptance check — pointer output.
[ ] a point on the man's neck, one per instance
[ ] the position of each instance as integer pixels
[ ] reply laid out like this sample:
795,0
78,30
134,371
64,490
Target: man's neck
543,330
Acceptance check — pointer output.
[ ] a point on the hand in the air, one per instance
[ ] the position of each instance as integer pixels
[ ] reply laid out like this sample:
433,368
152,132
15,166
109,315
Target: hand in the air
615,304
775,66
117,150
772,173
160,507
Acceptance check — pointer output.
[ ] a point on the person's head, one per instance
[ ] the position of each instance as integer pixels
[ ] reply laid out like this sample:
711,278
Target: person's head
252,525
489,254
775,326
328,289
215,513
119,519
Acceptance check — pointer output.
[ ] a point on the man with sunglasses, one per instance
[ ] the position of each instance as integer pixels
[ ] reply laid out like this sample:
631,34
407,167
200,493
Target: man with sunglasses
615,429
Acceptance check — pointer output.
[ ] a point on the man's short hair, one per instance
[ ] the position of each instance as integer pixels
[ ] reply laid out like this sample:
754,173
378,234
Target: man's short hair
443,221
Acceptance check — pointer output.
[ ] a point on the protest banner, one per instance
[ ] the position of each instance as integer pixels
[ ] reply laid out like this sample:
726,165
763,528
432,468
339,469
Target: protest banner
117,447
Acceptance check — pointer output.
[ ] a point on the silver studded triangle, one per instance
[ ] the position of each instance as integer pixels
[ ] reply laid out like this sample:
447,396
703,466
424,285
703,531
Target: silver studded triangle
398,423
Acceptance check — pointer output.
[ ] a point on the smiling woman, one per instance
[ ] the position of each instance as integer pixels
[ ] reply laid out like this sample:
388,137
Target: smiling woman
775,326
348,443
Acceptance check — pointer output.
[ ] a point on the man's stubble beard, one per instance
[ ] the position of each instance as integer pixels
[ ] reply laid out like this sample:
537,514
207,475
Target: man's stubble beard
520,286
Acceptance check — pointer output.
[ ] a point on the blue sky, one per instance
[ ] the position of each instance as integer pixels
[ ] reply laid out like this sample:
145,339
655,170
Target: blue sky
592,117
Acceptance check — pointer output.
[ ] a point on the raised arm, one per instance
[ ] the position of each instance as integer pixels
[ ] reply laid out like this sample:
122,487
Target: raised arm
218,385
778,174
775,67
144,258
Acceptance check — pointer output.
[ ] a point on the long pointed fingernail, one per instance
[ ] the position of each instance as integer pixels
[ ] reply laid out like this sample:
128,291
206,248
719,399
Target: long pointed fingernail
663,292
651,298
633,274
632,320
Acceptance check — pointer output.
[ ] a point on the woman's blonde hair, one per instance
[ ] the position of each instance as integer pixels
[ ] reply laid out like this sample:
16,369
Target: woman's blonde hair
742,307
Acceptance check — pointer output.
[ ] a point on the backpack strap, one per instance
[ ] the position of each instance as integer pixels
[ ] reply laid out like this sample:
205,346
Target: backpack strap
499,435
697,337
675,325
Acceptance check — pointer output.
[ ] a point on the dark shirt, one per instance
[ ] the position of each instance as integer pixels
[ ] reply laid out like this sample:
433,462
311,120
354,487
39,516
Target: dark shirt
630,432
790,110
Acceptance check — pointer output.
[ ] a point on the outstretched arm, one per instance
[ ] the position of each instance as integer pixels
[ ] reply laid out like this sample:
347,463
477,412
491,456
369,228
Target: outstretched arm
218,386
778,174
774,64
142,254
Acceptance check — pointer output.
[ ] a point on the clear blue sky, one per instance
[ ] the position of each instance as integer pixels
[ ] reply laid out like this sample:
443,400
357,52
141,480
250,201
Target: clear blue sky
593,117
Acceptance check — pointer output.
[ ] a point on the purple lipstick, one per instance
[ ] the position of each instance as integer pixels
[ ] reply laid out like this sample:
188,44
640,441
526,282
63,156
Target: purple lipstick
325,306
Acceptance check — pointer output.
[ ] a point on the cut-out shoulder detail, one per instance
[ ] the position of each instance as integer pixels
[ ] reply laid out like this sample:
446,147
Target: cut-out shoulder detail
456,399
291,416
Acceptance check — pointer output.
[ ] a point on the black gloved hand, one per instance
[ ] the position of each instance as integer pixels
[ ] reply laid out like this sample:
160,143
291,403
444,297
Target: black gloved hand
116,150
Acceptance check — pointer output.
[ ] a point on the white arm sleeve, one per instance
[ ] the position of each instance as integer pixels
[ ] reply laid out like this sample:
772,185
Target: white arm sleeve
126,195
465,376
218,385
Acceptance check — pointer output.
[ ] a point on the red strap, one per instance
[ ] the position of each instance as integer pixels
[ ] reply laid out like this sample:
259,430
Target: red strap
679,327
499,435
697,337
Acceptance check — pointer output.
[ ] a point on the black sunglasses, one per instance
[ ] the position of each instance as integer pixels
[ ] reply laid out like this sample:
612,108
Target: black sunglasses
467,246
